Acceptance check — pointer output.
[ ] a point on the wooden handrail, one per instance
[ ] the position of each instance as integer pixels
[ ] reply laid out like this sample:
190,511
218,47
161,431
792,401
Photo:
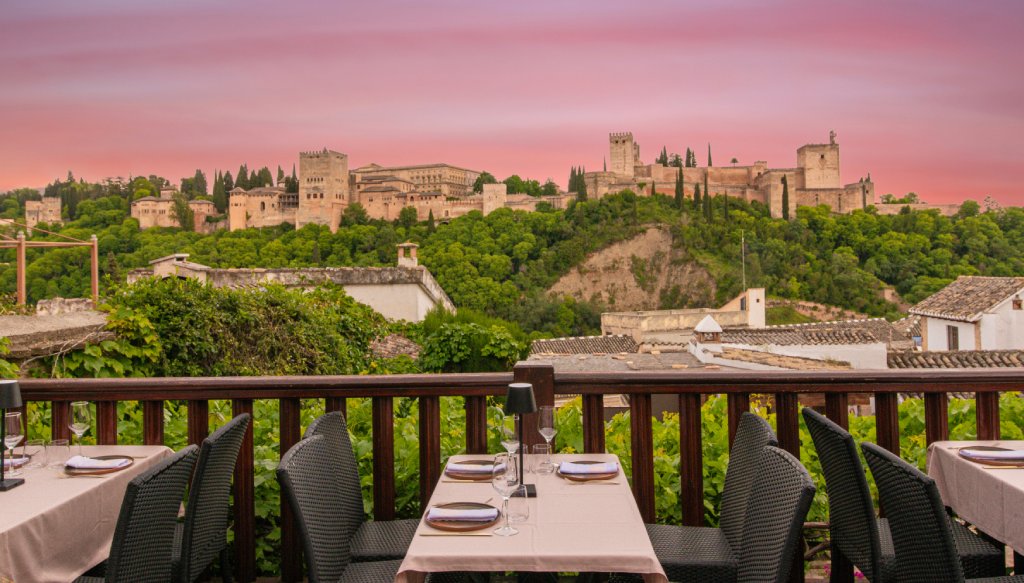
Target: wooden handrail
690,386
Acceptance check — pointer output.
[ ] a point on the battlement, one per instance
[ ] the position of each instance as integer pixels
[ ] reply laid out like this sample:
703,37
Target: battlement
620,136
318,153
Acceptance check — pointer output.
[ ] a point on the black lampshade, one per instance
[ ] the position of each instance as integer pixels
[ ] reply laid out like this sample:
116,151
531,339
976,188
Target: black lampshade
10,394
519,399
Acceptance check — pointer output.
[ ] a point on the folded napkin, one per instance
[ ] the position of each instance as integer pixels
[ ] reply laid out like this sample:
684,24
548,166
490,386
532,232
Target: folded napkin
461,514
79,462
16,462
992,454
472,468
578,468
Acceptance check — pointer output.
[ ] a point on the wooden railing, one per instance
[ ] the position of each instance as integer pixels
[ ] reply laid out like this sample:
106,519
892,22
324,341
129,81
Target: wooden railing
690,386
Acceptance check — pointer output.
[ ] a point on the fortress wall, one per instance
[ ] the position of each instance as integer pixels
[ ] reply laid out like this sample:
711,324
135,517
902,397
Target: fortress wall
946,210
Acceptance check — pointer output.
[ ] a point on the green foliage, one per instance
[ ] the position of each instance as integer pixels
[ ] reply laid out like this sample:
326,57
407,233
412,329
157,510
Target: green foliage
8,370
469,342
484,178
785,315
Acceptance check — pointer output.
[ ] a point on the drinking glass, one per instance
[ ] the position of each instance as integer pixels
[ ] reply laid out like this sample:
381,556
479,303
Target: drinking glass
12,424
509,437
505,482
57,453
35,449
81,420
542,459
519,506
546,423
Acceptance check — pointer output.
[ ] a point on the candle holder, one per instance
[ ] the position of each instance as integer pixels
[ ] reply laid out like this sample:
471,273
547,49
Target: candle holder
519,400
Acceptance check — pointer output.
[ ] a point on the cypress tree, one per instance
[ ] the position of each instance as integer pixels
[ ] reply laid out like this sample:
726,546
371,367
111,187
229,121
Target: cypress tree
431,226
709,155
220,197
725,206
582,185
707,204
315,259
696,197
280,175
242,180
785,198
199,186
572,179
229,183
679,189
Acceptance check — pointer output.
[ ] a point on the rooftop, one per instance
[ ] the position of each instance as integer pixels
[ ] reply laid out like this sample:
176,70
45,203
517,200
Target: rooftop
958,359
585,345
867,331
967,298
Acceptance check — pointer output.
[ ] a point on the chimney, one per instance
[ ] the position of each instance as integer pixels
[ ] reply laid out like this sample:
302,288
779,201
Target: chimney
407,254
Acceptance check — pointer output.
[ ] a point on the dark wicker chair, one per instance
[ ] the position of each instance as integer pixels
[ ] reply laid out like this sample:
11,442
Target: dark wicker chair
924,545
774,510
143,537
315,495
203,535
377,540
697,553
856,533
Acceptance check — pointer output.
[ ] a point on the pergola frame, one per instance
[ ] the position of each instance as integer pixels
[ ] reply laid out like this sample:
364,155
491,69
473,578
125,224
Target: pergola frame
21,244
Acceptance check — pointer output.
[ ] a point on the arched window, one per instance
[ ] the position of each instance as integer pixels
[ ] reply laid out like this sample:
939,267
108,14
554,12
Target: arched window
263,206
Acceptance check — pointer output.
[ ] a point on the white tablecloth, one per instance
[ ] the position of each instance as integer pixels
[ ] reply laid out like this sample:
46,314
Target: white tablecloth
991,499
576,528
54,528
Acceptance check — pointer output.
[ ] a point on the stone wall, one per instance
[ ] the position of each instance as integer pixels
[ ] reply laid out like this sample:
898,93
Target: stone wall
46,210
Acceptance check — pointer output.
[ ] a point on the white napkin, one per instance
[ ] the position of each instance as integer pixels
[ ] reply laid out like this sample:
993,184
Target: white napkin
472,468
16,462
1009,455
577,468
472,514
80,462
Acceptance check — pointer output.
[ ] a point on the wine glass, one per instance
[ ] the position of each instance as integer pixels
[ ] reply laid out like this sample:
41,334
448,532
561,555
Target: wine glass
509,439
505,481
81,420
12,426
547,428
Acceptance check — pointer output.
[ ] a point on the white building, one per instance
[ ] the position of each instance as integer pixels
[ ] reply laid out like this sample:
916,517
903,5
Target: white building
974,313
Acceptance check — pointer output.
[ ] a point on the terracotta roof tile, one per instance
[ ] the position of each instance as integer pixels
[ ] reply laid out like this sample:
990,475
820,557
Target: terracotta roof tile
865,331
968,297
585,345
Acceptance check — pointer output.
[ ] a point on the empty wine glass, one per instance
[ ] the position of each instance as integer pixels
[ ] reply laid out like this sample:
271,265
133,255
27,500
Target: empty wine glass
505,481
12,437
509,438
547,428
81,420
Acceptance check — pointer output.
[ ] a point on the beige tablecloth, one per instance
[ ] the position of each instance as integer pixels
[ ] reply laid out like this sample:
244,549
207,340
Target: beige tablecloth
991,499
54,528
577,528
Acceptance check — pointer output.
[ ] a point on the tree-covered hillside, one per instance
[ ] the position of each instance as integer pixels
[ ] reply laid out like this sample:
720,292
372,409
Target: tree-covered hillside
503,264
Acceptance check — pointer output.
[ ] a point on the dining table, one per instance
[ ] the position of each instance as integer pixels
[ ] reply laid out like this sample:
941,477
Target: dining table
987,495
573,526
57,525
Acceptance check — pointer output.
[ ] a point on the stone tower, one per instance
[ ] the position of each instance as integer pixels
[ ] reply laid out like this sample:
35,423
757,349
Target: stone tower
323,188
494,197
820,163
625,153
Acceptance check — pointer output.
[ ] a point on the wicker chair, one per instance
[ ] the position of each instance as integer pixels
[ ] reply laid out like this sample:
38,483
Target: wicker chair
203,535
697,553
925,548
856,533
143,537
316,498
377,540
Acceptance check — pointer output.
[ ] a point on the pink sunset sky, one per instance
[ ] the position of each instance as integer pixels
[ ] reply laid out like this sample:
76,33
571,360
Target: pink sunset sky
927,96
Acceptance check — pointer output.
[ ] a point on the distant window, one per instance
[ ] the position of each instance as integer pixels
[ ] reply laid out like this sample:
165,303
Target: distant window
743,304
952,338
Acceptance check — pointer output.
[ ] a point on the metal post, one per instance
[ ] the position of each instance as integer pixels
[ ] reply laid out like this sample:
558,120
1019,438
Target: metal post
95,272
20,269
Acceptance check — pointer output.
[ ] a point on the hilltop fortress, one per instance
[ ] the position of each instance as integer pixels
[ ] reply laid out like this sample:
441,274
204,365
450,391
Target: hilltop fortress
815,179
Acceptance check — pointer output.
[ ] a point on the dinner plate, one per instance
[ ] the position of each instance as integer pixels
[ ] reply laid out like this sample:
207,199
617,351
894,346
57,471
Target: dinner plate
16,461
462,525
990,461
100,471
587,477
473,476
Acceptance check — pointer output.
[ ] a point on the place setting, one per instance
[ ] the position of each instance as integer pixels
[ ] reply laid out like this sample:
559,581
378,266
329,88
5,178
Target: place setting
476,518
993,457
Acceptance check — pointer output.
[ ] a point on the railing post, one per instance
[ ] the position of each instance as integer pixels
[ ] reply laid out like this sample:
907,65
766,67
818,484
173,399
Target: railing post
198,421
787,422
332,404
837,409
430,447
153,422
642,439
887,421
542,377
738,404
383,458
20,269
986,410
60,418
593,423
476,424
94,271
691,460
106,422
291,551
245,502
936,417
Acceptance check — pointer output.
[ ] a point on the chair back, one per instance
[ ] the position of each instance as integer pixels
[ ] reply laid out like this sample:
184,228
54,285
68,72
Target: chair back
752,435
308,482
776,510
144,535
208,510
852,521
334,429
925,552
